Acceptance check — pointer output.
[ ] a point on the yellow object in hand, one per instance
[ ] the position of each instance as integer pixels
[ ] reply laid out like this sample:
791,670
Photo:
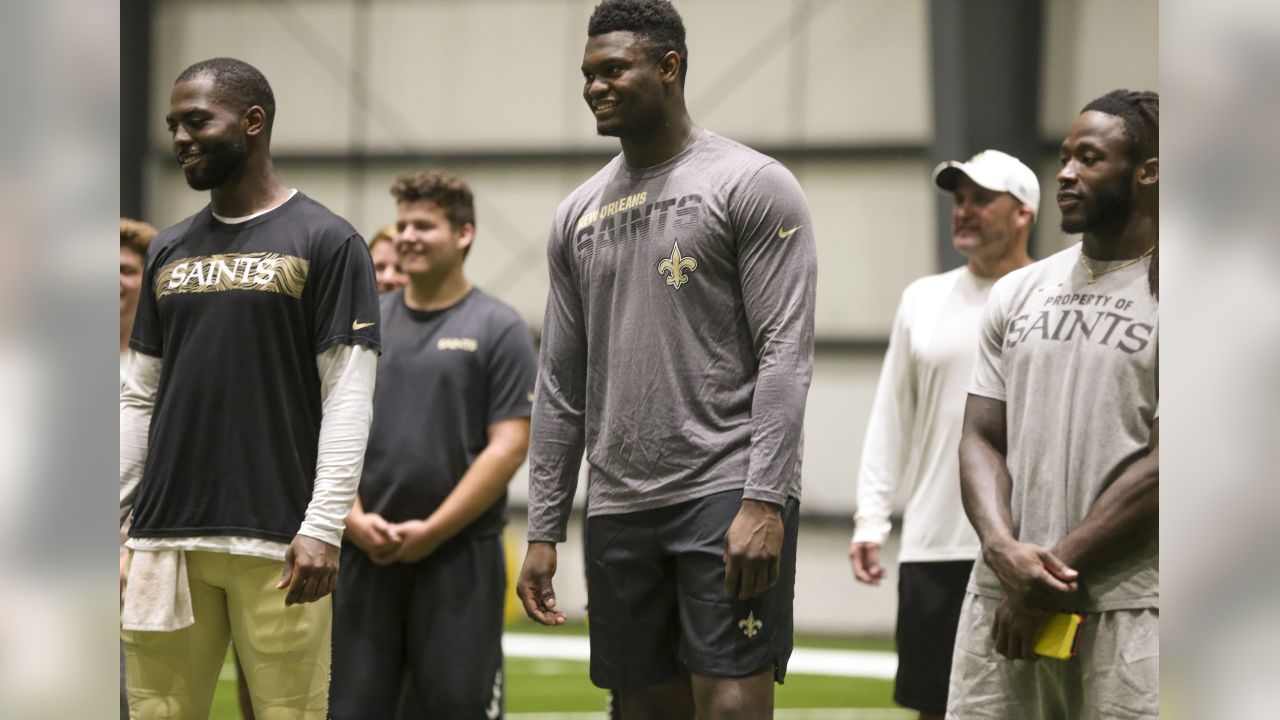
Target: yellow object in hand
1059,636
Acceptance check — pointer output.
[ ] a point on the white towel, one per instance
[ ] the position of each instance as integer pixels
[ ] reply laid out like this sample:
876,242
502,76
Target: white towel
157,595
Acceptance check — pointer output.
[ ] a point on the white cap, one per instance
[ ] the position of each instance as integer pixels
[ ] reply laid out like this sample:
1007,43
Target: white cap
996,171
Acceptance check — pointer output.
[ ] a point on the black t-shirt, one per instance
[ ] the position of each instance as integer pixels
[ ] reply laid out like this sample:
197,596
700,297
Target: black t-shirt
443,378
238,313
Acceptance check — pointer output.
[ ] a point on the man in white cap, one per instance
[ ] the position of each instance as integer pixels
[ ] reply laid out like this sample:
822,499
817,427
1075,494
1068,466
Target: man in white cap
914,430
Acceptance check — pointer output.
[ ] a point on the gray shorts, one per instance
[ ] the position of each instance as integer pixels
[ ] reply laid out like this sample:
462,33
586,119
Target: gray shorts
1116,675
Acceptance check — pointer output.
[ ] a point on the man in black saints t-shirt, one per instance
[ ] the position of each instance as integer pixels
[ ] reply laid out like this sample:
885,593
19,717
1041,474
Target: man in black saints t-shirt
244,418
418,610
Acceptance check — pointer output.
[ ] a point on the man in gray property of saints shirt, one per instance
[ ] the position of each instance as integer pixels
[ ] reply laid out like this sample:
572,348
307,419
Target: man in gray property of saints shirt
1060,449
676,351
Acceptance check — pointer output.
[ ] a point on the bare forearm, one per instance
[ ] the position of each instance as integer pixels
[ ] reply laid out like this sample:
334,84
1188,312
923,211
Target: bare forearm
985,483
357,510
1030,575
985,488
1124,517
480,487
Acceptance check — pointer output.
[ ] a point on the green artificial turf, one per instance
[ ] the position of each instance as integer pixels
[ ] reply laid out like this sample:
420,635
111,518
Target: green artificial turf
559,685
542,685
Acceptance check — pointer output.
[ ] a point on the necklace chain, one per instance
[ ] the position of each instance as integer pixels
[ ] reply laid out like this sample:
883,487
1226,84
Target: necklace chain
1093,276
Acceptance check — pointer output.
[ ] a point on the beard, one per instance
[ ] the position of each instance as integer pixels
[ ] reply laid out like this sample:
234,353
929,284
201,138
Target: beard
220,163
1110,207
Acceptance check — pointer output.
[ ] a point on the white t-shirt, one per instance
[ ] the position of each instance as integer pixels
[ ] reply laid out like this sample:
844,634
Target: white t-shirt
913,436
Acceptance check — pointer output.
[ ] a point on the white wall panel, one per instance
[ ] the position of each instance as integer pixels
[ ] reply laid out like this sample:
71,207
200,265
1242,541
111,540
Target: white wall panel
1092,47
874,224
843,72
867,73
496,73
738,66
835,421
302,48
504,73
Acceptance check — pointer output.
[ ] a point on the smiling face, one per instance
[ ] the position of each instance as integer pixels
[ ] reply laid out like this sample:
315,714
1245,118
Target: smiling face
623,84
1095,184
209,138
427,242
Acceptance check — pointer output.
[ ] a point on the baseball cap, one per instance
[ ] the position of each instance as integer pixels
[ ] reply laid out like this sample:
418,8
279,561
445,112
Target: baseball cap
996,171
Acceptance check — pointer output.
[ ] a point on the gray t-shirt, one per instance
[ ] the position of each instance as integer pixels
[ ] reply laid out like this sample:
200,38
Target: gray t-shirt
678,341
1076,364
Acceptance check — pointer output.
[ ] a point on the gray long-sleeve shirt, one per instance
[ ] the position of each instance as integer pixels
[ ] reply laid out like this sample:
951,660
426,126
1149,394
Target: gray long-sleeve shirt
677,347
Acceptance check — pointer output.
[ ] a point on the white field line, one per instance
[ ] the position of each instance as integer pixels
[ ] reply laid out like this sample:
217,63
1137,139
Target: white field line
804,661
778,714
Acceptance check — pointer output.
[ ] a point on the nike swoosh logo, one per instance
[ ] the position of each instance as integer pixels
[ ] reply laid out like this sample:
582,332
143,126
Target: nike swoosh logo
784,234
360,325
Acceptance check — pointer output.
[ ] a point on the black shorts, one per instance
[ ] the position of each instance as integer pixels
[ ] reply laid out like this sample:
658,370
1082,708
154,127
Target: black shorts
929,599
422,640
655,584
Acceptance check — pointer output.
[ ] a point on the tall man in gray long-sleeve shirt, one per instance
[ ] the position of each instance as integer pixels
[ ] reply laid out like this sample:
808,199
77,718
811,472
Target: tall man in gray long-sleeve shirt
677,350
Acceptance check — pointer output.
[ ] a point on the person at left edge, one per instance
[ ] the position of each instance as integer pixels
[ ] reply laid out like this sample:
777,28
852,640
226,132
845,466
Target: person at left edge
135,236
244,418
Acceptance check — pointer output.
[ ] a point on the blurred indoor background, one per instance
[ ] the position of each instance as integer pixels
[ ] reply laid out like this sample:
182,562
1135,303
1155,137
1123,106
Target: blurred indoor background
859,98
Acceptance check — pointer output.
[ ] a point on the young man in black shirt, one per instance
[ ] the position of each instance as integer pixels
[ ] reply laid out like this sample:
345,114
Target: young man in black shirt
418,610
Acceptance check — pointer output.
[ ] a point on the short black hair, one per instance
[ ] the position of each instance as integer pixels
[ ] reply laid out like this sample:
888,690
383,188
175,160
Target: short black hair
1140,111
237,83
654,20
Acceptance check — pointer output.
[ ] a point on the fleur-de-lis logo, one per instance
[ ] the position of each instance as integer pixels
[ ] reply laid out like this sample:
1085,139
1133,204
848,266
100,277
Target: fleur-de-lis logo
676,265
750,625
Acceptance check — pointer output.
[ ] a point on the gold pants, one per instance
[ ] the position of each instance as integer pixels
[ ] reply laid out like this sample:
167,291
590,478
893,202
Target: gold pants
284,650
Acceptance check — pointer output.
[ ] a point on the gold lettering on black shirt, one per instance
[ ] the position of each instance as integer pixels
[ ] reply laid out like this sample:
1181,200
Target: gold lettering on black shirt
260,271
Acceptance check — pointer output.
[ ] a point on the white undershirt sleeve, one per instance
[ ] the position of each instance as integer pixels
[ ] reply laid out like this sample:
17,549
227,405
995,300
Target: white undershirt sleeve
137,401
887,443
347,375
